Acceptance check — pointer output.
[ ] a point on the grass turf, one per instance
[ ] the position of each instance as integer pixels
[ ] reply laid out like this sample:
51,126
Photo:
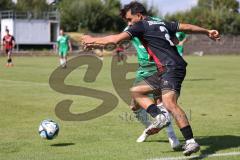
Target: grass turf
210,97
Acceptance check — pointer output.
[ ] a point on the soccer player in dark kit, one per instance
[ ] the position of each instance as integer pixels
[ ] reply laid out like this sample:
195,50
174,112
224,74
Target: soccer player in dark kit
155,36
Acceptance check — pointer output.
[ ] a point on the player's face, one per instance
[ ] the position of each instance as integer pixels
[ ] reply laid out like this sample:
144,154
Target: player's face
61,32
132,19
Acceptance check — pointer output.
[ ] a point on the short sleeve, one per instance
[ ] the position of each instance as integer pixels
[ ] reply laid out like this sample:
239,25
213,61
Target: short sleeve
172,27
13,38
58,39
184,35
136,30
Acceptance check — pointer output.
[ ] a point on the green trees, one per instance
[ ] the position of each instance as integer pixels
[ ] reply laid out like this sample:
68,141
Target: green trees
103,15
232,5
6,4
35,6
94,15
218,14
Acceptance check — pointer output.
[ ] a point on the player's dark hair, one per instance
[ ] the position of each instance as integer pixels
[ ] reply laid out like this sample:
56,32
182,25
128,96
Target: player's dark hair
7,30
135,8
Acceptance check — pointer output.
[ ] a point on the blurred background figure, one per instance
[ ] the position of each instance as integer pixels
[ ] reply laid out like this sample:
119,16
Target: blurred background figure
8,45
63,46
182,38
119,53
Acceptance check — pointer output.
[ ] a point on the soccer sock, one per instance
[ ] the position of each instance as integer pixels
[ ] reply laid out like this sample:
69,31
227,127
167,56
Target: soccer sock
9,60
64,61
153,110
61,61
142,117
187,132
169,129
170,132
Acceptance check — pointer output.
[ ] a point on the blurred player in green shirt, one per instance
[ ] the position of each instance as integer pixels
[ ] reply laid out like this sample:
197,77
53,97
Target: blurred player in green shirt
63,46
182,38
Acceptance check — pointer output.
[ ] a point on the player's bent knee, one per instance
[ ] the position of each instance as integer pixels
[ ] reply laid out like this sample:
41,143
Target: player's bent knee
170,105
135,90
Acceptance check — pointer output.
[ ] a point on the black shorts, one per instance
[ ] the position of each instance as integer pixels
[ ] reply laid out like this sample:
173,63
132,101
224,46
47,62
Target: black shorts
170,79
8,50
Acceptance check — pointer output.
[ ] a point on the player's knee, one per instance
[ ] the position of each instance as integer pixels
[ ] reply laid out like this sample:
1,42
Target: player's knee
170,105
135,90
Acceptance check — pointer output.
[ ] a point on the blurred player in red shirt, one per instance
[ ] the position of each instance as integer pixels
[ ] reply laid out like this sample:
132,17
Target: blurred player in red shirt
119,52
8,45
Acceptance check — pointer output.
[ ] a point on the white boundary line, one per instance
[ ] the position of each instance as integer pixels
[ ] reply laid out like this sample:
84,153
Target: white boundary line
201,156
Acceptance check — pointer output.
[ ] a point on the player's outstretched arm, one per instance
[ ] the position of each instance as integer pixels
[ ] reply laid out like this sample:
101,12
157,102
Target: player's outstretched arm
70,45
2,44
13,43
189,28
87,40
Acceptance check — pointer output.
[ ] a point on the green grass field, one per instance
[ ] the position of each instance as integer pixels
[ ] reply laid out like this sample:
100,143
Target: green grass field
210,96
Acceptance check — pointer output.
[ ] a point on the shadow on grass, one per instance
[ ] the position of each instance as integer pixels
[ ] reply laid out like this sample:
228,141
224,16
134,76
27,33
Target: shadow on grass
217,143
212,144
62,144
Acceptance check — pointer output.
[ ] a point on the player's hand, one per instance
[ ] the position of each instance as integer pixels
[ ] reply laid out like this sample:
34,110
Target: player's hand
214,35
88,42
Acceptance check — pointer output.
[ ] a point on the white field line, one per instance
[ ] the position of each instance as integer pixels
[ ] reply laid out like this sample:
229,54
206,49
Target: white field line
201,156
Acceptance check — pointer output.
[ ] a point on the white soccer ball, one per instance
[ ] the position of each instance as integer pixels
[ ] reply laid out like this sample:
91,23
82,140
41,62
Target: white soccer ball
48,129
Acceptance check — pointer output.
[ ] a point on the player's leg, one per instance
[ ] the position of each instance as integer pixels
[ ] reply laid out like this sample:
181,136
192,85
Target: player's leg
172,138
140,114
9,58
61,61
171,86
64,57
157,98
118,56
64,61
6,52
140,94
142,117
122,56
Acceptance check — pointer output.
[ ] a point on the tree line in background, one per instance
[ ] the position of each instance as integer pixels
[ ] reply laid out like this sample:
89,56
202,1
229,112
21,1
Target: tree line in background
218,14
93,15
103,15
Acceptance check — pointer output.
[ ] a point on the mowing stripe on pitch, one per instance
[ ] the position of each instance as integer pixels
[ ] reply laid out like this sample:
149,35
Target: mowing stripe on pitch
25,83
201,156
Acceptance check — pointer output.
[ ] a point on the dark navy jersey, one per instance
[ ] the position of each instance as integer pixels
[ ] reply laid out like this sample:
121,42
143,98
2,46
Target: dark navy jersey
155,36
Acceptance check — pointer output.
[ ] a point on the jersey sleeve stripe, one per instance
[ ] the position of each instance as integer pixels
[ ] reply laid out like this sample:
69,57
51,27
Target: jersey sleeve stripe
129,33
